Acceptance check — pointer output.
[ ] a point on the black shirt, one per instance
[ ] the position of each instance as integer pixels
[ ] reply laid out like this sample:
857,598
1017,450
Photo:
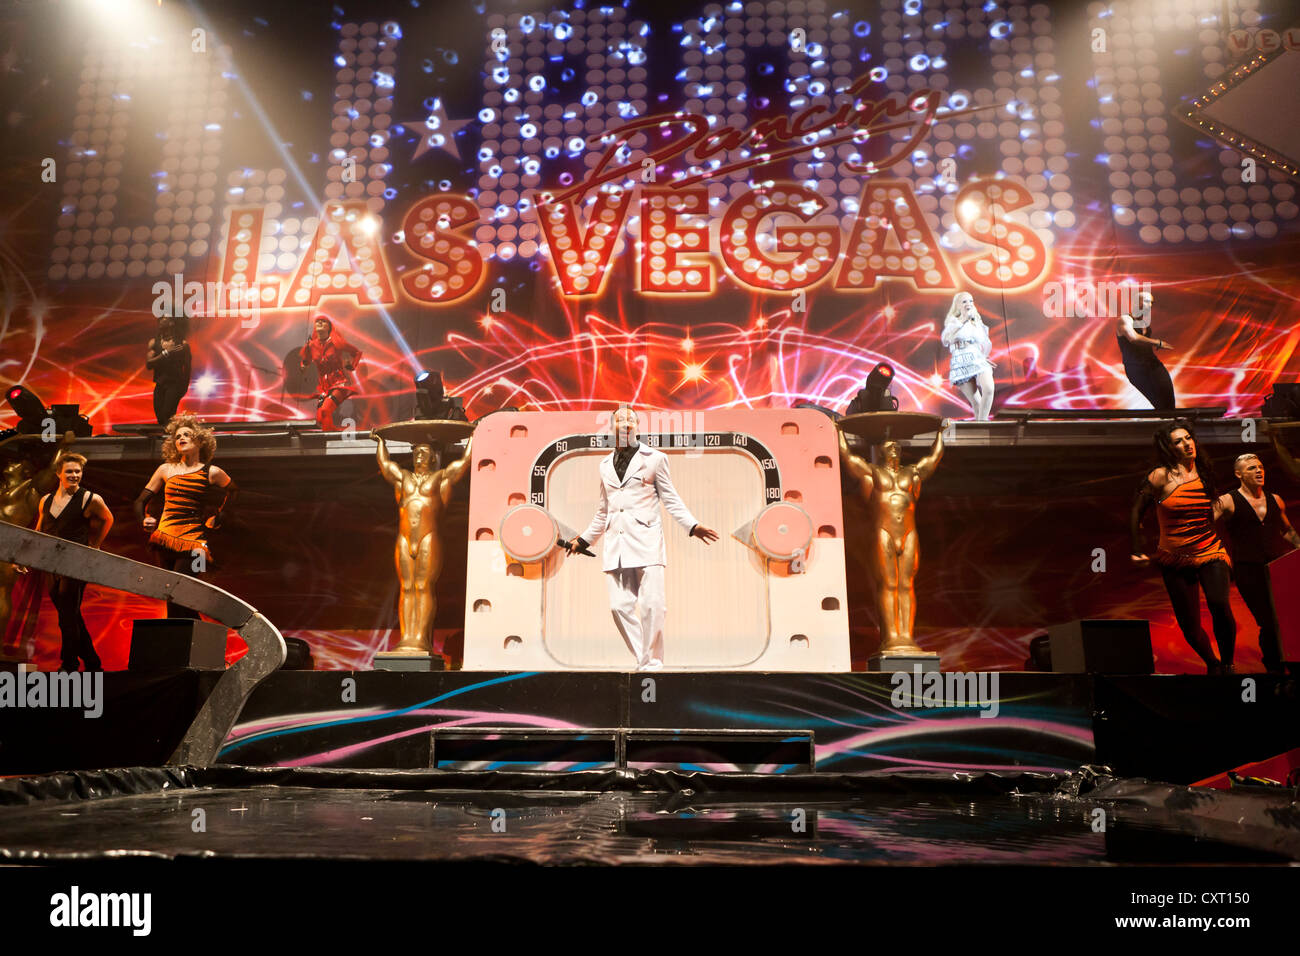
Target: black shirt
622,458
72,523
1254,541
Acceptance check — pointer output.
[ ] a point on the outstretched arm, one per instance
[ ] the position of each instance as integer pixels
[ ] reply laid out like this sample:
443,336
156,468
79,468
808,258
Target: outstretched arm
1124,326
455,472
927,465
387,467
858,468
1145,498
155,483
599,521
671,500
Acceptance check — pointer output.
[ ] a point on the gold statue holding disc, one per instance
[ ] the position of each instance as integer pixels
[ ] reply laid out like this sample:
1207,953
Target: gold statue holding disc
890,491
422,496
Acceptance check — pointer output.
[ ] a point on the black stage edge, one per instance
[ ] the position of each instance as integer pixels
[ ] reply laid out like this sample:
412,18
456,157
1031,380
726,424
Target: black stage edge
142,718
1178,729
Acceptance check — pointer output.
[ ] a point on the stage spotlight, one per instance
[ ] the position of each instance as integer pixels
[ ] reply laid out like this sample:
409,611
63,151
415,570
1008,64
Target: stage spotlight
874,395
33,416
432,401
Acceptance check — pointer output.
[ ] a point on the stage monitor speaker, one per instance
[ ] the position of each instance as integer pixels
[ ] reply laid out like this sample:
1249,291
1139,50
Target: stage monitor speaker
1040,653
177,642
297,655
1101,647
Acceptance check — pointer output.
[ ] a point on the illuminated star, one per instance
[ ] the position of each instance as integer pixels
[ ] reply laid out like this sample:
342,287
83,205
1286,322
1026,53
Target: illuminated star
437,132
691,372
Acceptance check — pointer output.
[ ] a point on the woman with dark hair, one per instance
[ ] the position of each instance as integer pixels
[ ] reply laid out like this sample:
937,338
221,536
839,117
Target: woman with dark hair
1190,553
335,360
180,536
169,358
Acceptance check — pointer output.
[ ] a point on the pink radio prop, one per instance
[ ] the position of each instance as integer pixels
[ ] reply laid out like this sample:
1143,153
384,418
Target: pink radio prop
768,595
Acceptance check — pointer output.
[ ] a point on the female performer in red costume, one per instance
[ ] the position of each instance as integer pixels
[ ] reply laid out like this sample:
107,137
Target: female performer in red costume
180,536
1190,552
335,361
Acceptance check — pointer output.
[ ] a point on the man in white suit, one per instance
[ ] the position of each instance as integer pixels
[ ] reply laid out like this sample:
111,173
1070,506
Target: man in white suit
634,480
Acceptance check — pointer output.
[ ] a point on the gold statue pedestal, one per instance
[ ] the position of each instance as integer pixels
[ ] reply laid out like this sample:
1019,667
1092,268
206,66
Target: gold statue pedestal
418,663
878,427
906,661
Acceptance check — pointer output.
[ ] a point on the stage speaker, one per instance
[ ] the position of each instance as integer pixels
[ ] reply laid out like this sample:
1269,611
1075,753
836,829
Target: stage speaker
297,655
1040,653
1101,647
176,642
1284,402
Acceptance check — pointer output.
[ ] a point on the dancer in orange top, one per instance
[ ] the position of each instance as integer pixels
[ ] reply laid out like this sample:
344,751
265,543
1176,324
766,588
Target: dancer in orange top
180,537
1190,552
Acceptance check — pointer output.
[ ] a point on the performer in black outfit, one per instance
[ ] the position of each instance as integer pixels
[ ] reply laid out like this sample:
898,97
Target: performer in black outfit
169,358
70,513
1257,521
1138,347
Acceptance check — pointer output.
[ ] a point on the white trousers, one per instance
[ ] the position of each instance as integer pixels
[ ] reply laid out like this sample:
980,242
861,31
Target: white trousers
644,633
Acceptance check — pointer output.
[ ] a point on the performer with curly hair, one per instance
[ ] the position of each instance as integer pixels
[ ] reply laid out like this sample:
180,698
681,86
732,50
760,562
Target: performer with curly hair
335,362
186,477
1190,552
970,371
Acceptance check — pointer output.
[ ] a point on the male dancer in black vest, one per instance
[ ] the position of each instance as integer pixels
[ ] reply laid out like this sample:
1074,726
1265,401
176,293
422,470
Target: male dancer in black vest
75,514
1256,520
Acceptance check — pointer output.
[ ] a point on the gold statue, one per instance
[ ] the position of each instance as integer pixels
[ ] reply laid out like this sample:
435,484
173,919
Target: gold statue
891,493
21,489
422,495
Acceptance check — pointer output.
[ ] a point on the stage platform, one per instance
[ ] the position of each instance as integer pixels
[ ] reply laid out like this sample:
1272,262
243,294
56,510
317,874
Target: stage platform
1177,729
660,817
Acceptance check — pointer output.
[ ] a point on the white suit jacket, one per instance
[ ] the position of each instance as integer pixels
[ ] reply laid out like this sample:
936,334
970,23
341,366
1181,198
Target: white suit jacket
629,510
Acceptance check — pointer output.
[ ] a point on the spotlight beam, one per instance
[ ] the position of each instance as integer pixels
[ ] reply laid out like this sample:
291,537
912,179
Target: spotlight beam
292,165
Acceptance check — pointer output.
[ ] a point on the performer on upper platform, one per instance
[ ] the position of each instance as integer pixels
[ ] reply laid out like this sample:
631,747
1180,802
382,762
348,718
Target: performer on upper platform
634,481
75,514
1190,552
180,537
970,370
169,360
1137,347
892,491
1257,522
422,496
335,362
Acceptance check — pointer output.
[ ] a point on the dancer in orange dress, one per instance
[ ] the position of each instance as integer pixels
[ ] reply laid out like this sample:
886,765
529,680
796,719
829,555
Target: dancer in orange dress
180,536
1190,553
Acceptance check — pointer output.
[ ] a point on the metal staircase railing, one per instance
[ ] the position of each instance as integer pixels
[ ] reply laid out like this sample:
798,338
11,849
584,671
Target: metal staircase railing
266,650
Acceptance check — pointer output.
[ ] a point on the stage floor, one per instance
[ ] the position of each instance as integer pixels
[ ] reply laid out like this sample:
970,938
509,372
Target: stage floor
648,818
